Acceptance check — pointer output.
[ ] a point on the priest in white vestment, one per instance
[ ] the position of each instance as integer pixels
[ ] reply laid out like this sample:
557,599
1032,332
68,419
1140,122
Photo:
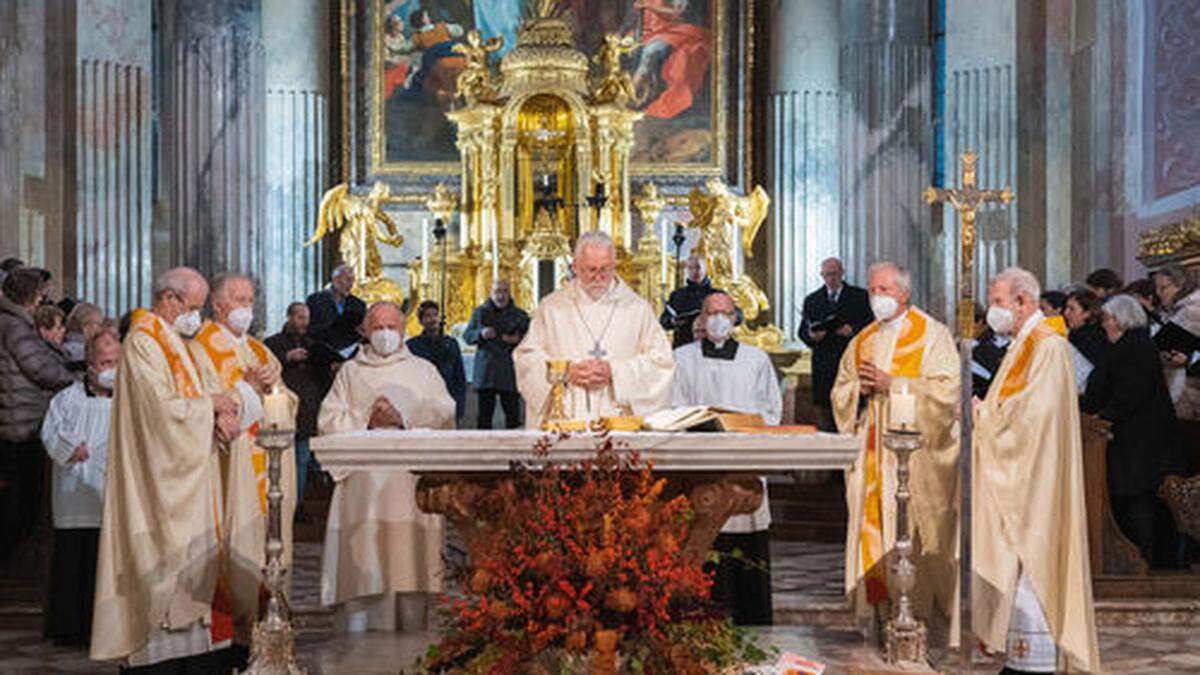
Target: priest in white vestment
378,544
160,600
620,358
719,371
232,361
903,348
75,435
1031,592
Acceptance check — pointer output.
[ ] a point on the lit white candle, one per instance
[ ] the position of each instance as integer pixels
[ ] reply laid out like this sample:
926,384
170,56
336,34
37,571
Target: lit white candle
425,251
662,240
276,411
903,409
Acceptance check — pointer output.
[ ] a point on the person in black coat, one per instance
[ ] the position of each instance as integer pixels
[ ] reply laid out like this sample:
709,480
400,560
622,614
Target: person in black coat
307,379
335,316
496,328
1082,316
685,303
833,314
1129,391
442,351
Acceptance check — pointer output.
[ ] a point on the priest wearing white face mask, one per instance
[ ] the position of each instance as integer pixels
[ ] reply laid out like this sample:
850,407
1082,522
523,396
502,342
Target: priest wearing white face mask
620,358
158,598
904,348
75,435
383,556
231,360
1031,592
719,371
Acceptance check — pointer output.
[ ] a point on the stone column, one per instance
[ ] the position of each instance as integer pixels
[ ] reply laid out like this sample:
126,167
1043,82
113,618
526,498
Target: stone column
980,115
802,155
884,76
213,134
296,38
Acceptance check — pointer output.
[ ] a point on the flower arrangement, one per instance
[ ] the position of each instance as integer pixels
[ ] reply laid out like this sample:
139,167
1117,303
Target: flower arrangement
581,568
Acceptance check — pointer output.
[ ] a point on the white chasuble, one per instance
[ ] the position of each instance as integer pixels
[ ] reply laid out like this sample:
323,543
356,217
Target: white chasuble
920,351
1027,498
376,539
158,568
619,327
222,360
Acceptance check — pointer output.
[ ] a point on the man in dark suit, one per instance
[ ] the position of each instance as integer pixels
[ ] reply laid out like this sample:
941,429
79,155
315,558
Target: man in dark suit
335,314
685,303
496,328
441,350
832,315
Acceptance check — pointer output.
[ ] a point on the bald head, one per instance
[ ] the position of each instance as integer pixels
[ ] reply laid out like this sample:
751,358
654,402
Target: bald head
718,302
832,273
179,290
384,315
695,269
233,302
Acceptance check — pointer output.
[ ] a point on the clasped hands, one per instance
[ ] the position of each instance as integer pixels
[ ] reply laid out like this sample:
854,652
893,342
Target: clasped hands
227,421
872,379
262,378
384,415
590,374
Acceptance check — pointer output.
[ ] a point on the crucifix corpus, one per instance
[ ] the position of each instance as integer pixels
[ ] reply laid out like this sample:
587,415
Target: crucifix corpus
966,200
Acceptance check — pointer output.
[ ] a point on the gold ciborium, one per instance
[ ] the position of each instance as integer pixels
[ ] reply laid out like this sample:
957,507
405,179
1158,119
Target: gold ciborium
554,412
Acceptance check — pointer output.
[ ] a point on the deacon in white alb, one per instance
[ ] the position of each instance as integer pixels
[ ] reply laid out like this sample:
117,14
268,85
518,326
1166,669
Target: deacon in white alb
719,371
620,358
377,542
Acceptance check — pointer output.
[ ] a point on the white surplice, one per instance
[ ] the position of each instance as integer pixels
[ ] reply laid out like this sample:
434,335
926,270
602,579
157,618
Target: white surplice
747,383
619,327
77,498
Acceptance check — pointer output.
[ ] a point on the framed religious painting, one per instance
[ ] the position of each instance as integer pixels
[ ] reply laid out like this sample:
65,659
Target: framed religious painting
691,70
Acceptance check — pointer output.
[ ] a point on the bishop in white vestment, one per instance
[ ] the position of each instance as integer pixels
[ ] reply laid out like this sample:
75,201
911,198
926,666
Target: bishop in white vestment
377,542
719,371
620,358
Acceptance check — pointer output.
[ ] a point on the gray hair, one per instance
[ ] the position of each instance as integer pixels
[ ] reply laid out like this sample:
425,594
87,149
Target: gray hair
1126,311
1180,276
93,345
594,239
176,280
82,313
1020,282
340,270
836,260
903,278
381,304
225,278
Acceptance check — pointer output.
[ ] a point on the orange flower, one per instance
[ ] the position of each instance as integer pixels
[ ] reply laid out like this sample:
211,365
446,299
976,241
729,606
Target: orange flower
481,580
576,641
621,600
638,520
556,606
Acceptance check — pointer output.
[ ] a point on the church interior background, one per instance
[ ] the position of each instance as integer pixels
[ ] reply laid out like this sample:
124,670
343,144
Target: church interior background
136,135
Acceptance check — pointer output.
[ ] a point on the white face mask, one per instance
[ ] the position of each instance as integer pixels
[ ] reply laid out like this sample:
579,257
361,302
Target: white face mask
884,307
719,327
188,323
1000,320
107,378
240,319
385,342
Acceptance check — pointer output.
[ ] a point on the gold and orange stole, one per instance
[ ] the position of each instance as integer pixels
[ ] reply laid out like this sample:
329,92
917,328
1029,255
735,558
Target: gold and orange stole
906,362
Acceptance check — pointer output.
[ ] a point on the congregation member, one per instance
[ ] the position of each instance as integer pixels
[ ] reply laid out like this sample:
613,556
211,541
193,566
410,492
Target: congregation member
1104,282
1082,314
720,371
383,557
84,321
684,304
1053,303
1143,291
8,265
1031,580
619,356
903,352
833,314
51,326
986,355
31,372
1176,288
161,603
75,435
442,351
1129,391
496,328
231,360
302,375
335,317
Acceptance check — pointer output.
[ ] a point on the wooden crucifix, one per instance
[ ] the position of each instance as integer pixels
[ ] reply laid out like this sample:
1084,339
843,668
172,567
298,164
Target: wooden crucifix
967,201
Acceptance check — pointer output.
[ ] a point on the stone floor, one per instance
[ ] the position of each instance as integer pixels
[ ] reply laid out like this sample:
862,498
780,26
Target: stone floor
807,585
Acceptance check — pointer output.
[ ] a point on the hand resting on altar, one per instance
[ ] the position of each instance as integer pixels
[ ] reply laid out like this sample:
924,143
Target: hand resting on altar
590,374
385,415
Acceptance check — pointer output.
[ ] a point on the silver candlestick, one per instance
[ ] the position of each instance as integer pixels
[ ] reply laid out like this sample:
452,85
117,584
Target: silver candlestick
272,651
905,633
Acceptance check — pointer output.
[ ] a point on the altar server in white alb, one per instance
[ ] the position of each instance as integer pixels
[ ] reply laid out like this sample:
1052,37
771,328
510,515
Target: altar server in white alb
75,435
383,556
719,371
620,358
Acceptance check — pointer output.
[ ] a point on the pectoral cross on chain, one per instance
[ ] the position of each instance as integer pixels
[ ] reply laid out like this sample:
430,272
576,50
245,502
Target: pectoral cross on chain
597,352
967,200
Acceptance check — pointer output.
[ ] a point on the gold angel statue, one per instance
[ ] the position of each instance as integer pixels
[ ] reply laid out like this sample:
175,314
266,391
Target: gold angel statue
721,216
475,82
361,224
615,84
